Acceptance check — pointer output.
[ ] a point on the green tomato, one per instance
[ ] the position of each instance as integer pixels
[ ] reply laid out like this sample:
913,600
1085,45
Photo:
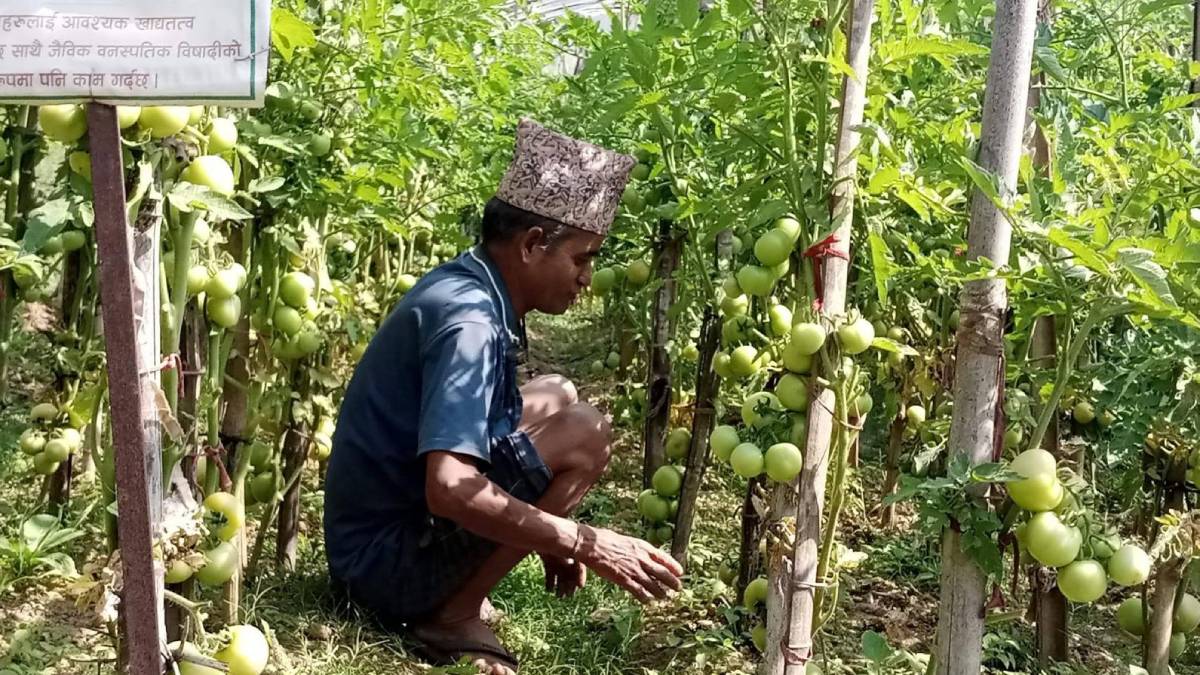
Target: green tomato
198,279
789,226
743,361
796,361
856,337
735,305
56,450
225,515
222,135
721,366
295,288
1050,541
613,360
44,464
32,441
404,283
760,409
861,405
747,460
773,247
638,273
71,437
163,121
43,412
309,340
1129,566
127,116
246,652
178,572
792,391
64,123
1083,412
1039,490
755,593
319,144
667,481
640,172
679,441
212,172
799,433
225,312
915,415
755,280
81,163
310,110
262,487
1083,581
220,564
1129,617
653,507
195,114
758,635
783,462
73,240
603,281
1187,614
287,320
722,441
807,338
1178,645
691,352
736,329
780,318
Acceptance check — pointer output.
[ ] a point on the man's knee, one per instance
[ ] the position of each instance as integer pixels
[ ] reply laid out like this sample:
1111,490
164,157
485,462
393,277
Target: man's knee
596,445
564,390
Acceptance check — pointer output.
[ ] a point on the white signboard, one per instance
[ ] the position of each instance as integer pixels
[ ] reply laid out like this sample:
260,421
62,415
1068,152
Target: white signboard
184,52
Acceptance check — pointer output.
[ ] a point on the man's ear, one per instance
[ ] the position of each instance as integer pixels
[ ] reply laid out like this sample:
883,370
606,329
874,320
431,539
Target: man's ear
530,241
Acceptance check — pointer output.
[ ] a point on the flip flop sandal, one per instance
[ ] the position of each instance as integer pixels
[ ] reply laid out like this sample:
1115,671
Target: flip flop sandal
448,650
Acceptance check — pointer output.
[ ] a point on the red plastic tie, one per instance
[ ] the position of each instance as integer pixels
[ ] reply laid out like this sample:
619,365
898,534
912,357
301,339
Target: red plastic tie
826,248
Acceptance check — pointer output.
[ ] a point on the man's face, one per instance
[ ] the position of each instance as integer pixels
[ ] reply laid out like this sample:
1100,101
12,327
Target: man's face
558,273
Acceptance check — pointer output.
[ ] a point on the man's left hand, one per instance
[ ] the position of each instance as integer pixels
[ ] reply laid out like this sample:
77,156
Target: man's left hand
563,576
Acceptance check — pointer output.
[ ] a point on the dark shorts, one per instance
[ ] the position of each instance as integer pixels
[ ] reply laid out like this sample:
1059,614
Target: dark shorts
434,558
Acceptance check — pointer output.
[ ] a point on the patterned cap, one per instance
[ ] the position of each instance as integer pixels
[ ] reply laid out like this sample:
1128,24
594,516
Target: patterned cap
564,179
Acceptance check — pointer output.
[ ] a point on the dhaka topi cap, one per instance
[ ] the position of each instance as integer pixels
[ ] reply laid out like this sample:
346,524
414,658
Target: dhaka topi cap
565,179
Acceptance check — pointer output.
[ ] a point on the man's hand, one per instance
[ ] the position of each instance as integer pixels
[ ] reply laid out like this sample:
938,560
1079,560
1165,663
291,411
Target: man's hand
643,570
563,576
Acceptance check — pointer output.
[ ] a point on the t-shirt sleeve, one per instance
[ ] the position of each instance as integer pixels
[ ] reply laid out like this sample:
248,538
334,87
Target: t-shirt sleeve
458,380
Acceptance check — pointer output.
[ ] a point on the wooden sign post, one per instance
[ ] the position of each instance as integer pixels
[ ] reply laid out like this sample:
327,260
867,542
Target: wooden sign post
133,52
128,298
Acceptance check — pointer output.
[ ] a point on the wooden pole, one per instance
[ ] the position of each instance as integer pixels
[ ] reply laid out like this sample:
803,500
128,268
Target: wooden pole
658,375
129,298
791,600
708,386
980,338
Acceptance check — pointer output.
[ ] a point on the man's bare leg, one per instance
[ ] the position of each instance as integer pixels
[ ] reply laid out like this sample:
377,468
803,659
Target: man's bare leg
574,443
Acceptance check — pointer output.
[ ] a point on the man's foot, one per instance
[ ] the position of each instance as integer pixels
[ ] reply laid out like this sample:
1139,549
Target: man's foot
449,642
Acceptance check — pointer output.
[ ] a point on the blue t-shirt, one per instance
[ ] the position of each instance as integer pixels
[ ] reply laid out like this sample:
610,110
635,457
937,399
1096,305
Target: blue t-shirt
440,374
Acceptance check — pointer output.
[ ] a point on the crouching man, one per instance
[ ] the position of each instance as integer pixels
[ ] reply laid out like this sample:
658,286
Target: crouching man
445,472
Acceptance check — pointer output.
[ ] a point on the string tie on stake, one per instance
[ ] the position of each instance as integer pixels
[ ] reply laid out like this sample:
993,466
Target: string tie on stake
818,252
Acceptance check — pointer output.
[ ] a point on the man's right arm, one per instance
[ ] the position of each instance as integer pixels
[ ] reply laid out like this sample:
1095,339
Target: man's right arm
457,491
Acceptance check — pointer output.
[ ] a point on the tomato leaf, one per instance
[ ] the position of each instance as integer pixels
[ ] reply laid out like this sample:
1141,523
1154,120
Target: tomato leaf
875,647
1082,252
689,12
1147,273
44,222
881,264
289,33
188,197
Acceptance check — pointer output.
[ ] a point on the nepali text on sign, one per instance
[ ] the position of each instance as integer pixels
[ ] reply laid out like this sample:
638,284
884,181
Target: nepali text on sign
134,51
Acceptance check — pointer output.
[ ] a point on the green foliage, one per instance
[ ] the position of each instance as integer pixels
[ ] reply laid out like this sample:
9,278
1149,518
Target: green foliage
954,501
